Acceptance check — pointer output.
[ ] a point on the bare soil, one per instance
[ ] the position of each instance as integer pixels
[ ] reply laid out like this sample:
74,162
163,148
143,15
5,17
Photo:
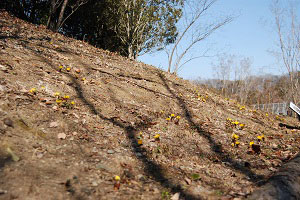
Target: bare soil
69,132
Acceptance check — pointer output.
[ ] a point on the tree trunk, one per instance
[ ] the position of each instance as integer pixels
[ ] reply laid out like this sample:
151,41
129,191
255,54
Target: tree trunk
61,15
285,184
52,11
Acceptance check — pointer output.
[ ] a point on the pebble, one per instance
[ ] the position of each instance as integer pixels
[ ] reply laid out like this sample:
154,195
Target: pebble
110,151
53,124
8,122
94,183
139,154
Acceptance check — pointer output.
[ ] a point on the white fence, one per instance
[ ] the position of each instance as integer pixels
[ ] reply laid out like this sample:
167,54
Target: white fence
276,108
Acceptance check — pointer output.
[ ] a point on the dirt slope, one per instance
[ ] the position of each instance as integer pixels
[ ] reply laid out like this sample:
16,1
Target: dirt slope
70,132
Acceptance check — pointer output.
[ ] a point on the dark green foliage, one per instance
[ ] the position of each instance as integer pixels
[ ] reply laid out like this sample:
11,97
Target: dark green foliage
129,27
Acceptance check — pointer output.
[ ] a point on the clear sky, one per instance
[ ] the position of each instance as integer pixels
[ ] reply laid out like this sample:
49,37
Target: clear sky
250,34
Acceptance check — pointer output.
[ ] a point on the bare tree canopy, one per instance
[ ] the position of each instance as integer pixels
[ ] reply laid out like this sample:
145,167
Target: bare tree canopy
193,29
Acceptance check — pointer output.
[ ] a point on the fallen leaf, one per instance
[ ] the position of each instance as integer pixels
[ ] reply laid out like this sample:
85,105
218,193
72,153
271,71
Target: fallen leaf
12,154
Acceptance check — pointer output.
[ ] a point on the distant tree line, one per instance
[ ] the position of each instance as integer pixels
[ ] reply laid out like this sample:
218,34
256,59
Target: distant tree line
129,27
253,89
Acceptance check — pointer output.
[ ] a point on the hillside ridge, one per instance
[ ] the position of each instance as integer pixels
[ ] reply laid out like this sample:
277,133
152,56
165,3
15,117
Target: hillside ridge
77,122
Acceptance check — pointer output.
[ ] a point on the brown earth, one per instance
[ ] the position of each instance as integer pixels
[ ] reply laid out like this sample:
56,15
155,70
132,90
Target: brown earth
72,145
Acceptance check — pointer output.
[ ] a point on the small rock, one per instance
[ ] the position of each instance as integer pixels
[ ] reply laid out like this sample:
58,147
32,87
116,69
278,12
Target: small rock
140,177
274,146
110,151
175,196
3,191
61,136
53,124
8,122
94,183
139,154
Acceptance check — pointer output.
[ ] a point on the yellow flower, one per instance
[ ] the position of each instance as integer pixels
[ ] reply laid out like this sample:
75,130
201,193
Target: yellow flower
229,119
140,142
68,69
32,90
66,96
60,67
178,117
73,102
237,143
259,138
267,114
157,136
242,108
232,144
251,143
236,122
172,115
58,101
117,178
235,136
83,79
168,119
56,94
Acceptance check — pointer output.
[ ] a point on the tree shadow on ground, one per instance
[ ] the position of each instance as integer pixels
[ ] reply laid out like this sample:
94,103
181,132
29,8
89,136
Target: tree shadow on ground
217,148
151,168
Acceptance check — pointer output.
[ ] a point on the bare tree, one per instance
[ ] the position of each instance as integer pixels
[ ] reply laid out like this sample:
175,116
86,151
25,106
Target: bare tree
222,71
55,23
288,32
194,29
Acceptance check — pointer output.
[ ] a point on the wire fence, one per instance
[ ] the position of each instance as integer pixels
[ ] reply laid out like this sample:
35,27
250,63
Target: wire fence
276,108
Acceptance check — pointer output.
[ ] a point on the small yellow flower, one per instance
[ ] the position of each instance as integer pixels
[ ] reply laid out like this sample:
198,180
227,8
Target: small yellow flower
232,144
66,96
229,119
117,178
68,69
237,143
73,102
178,117
32,90
60,67
56,94
259,138
83,79
235,136
235,122
58,101
157,136
168,119
267,114
251,143
172,115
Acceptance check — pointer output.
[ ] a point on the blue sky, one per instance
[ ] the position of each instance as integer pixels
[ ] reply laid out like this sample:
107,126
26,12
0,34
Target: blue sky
251,34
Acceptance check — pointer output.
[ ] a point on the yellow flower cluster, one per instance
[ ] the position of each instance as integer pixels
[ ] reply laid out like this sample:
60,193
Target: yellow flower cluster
63,101
235,142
